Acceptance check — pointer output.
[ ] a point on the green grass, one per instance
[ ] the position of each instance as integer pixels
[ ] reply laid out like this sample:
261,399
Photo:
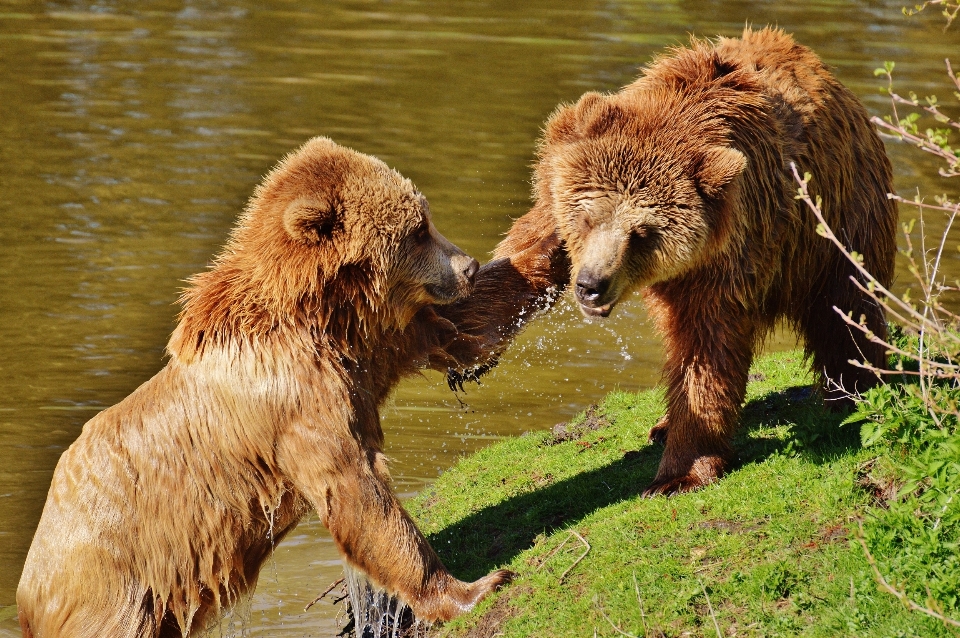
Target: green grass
771,544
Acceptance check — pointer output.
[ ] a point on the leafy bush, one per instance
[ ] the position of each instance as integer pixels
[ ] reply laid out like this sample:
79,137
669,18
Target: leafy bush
912,536
914,533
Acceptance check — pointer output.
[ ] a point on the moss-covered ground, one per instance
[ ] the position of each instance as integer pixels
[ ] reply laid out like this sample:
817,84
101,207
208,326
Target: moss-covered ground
769,550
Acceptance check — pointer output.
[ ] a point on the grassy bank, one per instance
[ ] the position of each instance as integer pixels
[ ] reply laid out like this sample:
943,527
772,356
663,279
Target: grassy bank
768,550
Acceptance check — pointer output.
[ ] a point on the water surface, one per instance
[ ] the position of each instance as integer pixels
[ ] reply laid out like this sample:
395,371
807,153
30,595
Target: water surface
133,132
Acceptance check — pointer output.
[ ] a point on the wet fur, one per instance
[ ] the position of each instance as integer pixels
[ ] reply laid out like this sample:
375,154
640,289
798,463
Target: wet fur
163,511
684,177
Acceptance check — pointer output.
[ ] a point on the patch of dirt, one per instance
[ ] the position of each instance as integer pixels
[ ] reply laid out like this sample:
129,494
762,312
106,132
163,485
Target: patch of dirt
593,420
731,527
431,501
882,488
502,610
540,480
833,533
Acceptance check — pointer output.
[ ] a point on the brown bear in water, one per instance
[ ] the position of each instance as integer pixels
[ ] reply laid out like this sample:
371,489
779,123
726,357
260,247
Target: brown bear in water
680,184
162,512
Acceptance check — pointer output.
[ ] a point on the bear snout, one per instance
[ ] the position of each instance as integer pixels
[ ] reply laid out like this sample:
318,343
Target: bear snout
464,269
590,287
591,290
457,282
469,272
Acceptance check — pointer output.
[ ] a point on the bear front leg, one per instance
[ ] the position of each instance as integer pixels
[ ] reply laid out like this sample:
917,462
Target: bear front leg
375,534
528,272
709,350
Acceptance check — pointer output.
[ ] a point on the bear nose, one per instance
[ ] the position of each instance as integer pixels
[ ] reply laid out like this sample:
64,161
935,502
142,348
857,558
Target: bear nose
590,288
470,271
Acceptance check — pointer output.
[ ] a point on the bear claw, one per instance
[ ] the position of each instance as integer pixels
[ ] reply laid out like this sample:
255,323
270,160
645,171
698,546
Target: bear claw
658,433
678,485
492,582
456,378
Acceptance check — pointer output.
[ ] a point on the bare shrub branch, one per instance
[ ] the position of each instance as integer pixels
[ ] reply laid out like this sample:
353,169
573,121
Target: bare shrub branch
934,140
950,9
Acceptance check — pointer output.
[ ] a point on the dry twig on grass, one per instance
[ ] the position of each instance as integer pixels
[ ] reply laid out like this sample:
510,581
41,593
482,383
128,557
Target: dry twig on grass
580,558
556,549
713,616
615,628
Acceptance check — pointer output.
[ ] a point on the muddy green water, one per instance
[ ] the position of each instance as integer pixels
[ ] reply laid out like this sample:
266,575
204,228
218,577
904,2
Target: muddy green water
133,132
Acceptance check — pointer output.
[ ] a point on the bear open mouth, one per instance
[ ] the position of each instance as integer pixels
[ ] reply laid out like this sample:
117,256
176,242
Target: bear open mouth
597,311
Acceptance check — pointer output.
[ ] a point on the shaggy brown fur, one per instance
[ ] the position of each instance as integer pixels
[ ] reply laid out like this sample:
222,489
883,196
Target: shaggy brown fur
680,184
162,512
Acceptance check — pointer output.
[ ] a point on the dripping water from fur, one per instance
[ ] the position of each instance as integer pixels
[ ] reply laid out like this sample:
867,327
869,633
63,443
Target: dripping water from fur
375,613
270,514
235,623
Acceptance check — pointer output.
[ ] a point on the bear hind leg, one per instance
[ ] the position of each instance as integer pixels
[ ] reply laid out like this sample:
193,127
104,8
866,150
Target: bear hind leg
832,343
658,433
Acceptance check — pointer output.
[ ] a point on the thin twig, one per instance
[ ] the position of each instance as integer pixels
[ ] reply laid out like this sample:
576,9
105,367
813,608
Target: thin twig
900,595
615,628
828,233
886,306
554,551
716,625
582,556
643,616
325,592
947,207
952,368
561,545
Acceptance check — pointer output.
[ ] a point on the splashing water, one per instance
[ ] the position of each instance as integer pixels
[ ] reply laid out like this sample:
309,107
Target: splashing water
235,623
377,614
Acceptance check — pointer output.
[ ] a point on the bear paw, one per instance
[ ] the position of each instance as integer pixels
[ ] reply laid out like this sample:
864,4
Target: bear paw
458,597
702,471
658,433
456,378
679,485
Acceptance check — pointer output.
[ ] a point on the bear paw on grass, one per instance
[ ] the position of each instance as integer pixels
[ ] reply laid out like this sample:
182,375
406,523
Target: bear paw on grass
163,511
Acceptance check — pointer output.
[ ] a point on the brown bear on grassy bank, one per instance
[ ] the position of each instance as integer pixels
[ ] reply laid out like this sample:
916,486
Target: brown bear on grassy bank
680,184
162,512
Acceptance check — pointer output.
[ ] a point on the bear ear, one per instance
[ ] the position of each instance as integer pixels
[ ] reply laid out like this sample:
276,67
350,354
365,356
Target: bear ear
311,219
716,168
568,123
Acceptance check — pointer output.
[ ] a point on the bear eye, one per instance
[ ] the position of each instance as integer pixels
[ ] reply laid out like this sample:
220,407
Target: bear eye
642,238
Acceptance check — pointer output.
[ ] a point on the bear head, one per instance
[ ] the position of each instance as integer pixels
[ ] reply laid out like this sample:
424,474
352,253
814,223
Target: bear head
333,240
639,184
